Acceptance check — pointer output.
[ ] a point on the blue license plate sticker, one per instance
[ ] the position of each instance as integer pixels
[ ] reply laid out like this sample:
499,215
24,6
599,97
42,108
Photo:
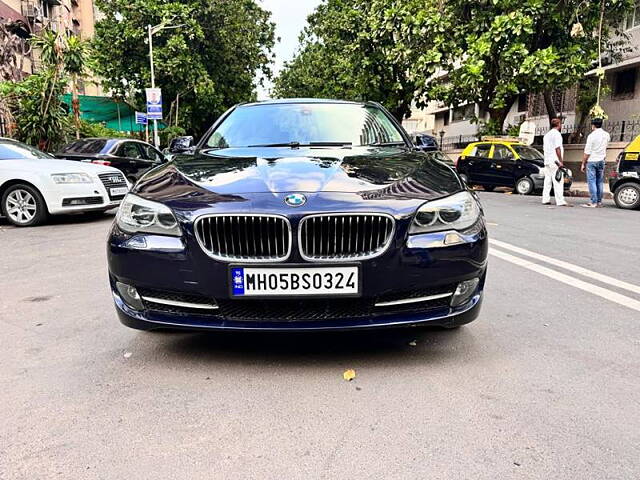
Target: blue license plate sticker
237,278
295,281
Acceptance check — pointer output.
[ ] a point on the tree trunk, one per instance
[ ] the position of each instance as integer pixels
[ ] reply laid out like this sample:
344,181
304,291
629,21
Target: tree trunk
548,103
498,116
75,104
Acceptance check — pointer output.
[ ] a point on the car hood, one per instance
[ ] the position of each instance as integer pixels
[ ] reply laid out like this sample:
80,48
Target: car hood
393,172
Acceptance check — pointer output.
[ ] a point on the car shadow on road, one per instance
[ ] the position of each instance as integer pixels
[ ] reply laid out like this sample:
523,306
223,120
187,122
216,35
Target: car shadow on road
402,345
71,219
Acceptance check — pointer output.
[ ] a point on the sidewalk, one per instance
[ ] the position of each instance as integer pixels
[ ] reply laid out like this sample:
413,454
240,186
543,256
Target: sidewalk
581,189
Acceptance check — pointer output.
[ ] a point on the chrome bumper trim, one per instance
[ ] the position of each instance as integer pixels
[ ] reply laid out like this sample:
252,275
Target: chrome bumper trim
175,303
414,300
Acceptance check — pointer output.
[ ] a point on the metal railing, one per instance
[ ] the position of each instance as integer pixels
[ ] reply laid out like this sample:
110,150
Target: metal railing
457,142
620,131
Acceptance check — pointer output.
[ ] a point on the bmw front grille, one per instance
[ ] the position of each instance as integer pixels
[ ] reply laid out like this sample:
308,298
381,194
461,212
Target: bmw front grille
244,237
268,238
345,236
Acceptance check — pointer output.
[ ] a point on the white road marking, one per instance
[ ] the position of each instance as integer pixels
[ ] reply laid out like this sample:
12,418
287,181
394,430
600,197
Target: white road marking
591,275
574,282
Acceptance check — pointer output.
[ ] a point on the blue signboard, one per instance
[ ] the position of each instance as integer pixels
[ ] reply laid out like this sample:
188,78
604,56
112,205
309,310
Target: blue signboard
154,104
141,118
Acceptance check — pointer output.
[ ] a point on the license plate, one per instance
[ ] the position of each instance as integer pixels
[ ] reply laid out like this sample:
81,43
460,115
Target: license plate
294,281
114,192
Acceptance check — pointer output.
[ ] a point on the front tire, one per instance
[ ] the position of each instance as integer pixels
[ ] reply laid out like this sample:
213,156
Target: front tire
525,186
627,196
24,206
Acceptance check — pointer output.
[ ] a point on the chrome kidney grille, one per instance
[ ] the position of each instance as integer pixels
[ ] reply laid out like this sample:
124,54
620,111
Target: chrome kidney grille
247,238
344,236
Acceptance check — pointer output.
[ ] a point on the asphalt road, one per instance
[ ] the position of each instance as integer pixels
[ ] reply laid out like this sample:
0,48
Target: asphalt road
545,385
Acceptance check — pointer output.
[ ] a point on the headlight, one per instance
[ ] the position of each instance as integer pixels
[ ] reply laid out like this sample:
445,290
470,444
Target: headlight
139,215
71,178
457,212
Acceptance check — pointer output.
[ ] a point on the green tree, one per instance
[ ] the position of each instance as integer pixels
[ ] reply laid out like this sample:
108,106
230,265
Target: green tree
348,51
454,51
210,61
76,57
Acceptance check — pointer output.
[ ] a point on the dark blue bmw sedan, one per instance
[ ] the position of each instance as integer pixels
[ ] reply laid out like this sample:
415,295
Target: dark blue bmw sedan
299,215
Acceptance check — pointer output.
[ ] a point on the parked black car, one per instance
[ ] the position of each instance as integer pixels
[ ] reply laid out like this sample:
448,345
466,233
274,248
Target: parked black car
425,143
499,162
131,157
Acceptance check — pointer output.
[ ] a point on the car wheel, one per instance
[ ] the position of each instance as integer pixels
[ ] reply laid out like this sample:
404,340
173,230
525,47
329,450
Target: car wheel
489,188
627,196
24,206
525,186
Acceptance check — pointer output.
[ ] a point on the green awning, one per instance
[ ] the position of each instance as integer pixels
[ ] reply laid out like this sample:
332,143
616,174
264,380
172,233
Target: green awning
114,114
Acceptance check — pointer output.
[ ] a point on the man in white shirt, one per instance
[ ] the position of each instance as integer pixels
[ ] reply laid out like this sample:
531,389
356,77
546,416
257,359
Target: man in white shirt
595,155
553,159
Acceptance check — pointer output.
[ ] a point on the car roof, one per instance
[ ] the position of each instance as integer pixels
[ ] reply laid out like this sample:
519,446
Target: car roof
493,142
280,101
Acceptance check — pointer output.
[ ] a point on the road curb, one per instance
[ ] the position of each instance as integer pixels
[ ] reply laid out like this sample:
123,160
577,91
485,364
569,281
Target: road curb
585,194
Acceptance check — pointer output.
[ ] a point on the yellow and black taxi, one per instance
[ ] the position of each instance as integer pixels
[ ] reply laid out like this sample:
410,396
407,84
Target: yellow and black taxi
624,182
504,162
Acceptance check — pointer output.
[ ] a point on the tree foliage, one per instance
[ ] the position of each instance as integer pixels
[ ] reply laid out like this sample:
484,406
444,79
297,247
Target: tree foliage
345,52
210,61
454,51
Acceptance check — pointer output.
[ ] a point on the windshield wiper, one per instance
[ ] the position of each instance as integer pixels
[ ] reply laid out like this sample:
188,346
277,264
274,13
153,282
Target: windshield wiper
298,144
288,144
384,144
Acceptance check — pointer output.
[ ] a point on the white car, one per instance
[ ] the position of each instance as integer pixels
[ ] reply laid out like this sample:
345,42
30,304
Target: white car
34,184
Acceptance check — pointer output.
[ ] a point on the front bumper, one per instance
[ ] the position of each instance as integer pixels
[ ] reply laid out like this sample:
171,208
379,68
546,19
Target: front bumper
77,198
178,265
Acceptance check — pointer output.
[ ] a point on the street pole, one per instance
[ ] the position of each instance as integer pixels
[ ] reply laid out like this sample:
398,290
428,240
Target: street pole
156,140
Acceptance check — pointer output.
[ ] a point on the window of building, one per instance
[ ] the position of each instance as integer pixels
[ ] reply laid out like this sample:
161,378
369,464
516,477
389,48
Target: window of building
624,83
632,20
465,112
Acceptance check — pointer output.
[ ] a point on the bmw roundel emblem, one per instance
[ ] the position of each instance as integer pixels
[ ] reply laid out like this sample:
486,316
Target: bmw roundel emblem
295,200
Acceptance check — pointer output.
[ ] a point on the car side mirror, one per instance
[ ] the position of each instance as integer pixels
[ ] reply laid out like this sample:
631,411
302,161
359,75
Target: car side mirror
181,145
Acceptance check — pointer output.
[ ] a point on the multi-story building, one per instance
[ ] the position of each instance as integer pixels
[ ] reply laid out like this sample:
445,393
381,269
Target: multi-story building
19,19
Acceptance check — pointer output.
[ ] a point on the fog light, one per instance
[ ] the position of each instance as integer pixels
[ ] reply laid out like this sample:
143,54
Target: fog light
130,295
464,291
453,238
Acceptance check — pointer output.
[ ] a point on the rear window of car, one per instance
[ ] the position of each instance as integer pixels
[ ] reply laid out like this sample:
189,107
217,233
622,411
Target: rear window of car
85,146
481,150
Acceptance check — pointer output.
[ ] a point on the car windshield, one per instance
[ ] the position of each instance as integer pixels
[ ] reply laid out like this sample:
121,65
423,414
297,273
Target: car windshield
20,151
528,153
314,124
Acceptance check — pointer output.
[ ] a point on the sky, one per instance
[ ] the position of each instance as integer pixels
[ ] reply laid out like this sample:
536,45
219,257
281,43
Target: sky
290,17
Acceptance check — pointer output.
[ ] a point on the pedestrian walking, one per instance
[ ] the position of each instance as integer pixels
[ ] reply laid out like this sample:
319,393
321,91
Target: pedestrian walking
593,162
553,160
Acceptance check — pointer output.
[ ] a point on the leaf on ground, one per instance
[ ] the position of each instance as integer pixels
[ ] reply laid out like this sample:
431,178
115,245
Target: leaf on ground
349,375
413,343
127,354
508,193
